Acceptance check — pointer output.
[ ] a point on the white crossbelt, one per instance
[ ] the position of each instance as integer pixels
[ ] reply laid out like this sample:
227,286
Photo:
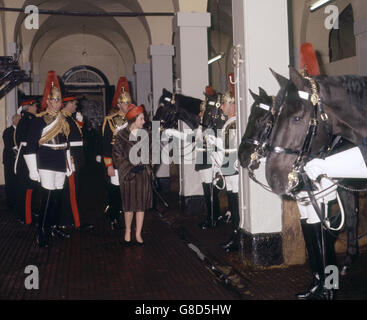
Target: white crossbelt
60,145
76,143
22,144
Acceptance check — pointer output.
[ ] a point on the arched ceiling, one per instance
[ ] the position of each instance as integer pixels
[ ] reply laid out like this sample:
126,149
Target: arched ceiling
115,30
130,41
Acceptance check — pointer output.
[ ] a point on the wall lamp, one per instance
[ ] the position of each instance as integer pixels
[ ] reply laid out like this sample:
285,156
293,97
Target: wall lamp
216,58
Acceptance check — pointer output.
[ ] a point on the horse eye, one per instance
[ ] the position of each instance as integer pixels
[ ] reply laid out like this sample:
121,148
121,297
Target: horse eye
297,119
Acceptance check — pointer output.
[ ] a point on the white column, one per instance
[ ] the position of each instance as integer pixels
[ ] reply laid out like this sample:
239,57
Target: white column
253,21
12,96
191,44
162,77
143,84
262,212
360,31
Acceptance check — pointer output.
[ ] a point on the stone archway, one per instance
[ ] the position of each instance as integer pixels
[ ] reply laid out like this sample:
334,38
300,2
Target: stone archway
95,93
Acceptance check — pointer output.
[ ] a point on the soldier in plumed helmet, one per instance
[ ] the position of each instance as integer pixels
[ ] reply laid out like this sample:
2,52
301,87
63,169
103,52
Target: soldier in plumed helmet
9,156
28,111
227,154
113,123
70,213
205,168
230,170
48,158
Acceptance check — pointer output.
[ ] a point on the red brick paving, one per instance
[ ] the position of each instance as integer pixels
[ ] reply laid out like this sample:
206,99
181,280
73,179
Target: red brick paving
96,266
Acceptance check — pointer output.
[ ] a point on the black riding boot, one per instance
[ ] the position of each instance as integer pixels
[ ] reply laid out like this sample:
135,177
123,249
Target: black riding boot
114,208
54,217
232,244
313,241
210,222
351,223
43,229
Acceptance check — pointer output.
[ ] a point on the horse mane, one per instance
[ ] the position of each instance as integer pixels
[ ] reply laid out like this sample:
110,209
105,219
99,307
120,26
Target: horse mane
354,85
190,104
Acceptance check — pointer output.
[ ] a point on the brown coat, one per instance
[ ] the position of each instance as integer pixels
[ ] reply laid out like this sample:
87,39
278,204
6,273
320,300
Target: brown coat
136,189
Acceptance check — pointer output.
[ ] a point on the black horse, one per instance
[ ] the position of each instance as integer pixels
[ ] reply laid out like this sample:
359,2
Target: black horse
200,115
313,111
174,107
259,125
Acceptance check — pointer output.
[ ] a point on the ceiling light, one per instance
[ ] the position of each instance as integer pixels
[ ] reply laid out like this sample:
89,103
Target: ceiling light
318,4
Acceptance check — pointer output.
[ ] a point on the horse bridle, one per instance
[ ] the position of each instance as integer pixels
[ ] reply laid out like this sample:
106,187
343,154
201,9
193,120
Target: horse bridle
217,105
262,143
304,153
172,101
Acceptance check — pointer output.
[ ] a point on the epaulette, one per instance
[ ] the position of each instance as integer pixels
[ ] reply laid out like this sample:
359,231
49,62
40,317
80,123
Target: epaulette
41,114
104,124
65,113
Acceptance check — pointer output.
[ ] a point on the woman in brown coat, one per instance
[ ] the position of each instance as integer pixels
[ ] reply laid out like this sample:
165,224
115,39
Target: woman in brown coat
135,179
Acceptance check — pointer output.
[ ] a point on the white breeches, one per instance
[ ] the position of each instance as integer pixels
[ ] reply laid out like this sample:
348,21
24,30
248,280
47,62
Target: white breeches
329,194
115,178
52,180
207,175
308,212
232,183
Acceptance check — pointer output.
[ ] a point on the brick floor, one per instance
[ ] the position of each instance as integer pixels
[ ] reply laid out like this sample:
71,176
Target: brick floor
95,265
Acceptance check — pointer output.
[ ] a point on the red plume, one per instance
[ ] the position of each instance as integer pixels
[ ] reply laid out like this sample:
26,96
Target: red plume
122,84
209,91
308,58
51,78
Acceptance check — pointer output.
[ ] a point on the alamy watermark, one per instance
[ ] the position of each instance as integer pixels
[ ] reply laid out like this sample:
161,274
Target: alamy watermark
332,20
31,282
32,19
184,147
331,277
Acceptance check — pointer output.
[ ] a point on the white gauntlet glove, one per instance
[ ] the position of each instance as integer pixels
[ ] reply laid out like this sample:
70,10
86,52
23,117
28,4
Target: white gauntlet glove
69,167
79,117
314,168
31,161
175,133
214,141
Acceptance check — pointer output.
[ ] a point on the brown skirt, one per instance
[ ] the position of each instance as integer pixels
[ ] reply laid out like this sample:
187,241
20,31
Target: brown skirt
136,192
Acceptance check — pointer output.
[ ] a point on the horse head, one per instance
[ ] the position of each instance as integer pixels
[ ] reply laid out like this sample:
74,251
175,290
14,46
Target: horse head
259,125
188,109
296,135
213,117
167,111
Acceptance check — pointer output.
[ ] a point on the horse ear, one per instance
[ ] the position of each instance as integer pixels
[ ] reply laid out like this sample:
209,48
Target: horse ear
283,81
254,95
262,93
296,78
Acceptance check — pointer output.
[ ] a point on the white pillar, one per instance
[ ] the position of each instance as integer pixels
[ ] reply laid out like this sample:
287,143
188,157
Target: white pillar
12,96
143,84
191,43
253,21
360,31
162,77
